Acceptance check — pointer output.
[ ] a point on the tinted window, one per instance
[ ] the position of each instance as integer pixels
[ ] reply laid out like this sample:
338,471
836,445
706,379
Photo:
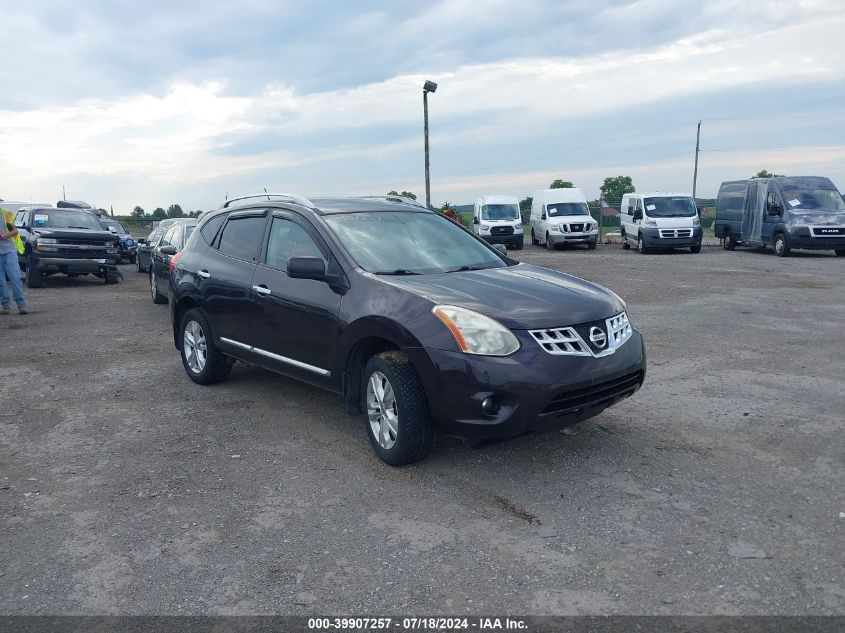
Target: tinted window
241,237
210,228
288,239
169,236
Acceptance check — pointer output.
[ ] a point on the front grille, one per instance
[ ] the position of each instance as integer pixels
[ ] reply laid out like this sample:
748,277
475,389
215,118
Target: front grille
576,340
85,242
501,230
576,228
829,231
594,395
670,233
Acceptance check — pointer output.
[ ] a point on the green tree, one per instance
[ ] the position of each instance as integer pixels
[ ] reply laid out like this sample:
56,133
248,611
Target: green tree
175,211
561,184
159,214
404,194
765,174
615,187
525,208
138,212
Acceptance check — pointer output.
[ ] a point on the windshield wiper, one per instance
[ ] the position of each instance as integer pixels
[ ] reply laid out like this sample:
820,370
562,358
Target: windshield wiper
463,268
398,271
87,228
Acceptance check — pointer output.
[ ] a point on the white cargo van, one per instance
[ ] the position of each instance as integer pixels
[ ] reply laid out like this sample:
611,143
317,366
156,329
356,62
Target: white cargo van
560,217
660,220
497,220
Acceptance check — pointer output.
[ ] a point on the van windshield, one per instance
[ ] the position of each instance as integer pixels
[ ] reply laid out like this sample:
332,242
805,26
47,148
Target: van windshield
805,199
500,212
670,207
410,243
566,208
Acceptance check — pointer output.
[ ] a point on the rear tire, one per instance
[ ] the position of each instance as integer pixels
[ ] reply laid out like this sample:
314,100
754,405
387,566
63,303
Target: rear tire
625,245
781,245
534,240
840,252
34,278
156,295
396,416
729,243
202,361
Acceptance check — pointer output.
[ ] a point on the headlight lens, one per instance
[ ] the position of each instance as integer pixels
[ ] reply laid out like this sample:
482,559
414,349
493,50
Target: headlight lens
650,222
476,333
696,222
517,228
47,240
485,227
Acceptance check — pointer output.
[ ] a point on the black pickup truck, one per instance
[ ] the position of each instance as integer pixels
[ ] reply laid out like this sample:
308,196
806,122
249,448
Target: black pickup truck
68,241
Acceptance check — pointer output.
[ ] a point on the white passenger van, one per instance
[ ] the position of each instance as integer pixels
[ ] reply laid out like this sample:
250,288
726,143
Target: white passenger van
660,220
497,220
560,217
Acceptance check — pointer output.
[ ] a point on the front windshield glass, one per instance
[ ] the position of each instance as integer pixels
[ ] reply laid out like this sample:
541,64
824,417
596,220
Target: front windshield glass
500,212
65,219
407,243
115,224
557,209
670,207
813,199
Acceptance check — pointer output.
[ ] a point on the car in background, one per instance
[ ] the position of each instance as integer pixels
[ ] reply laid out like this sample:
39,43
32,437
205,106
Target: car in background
69,241
418,323
128,246
145,246
171,242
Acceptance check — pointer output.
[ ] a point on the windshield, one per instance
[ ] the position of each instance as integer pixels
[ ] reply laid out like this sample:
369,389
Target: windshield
500,212
670,207
65,219
115,224
806,199
403,243
566,208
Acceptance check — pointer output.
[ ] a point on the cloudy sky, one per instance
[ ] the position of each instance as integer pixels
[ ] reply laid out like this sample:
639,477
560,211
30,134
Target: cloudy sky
158,102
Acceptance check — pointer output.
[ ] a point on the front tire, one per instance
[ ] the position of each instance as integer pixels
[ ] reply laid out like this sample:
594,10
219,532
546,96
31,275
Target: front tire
548,243
641,245
34,278
396,415
591,246
156,295
781,245
202,361
534,240
695,248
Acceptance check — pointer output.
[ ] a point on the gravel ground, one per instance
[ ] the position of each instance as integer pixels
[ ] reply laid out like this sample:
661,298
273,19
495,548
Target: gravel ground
718,488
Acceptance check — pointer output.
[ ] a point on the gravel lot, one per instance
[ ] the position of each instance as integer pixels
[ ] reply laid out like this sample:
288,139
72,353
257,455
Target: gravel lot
718,488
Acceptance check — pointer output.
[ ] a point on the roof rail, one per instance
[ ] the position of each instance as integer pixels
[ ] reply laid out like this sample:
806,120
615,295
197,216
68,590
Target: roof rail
400,199
285,197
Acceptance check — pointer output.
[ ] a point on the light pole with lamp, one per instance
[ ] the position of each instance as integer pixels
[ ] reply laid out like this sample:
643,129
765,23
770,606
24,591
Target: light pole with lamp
428,86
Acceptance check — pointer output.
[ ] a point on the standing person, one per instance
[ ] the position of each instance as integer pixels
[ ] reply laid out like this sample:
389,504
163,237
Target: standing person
9,268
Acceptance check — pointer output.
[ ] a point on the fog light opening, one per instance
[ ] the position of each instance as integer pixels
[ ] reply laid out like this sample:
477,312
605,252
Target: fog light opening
490,406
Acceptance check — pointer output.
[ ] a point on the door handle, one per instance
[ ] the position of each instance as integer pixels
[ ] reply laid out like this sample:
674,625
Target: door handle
262,290
204,274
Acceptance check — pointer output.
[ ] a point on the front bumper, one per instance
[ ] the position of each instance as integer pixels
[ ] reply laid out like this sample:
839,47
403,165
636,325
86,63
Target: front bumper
801,238
532,388
76,265
515,238
653,239
573,238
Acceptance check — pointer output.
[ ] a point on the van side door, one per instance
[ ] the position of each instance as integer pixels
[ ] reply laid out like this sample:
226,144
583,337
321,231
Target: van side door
773,201
626,218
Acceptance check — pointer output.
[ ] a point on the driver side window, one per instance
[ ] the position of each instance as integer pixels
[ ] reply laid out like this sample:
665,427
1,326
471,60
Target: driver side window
288,239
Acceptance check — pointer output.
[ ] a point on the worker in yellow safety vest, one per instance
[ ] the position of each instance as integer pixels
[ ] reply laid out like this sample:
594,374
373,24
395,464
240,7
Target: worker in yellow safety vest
10,271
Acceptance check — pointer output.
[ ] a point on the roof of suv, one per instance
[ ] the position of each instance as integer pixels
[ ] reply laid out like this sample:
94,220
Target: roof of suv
330,205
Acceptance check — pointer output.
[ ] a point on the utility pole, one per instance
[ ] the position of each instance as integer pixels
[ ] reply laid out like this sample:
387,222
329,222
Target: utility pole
695,173
64,197
429,86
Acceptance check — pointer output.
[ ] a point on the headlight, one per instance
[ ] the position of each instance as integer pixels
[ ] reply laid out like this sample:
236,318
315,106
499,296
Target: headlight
46,240
517,228
696,222
650,222
476,333
587,227
485,227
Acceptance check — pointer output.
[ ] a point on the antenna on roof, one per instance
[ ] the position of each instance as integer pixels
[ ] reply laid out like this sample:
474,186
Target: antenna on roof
265,191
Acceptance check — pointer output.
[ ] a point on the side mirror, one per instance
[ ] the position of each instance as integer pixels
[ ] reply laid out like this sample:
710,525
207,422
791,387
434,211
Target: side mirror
543,216
638,214
501,248
475,220
142,240
307,268
112,230
168,250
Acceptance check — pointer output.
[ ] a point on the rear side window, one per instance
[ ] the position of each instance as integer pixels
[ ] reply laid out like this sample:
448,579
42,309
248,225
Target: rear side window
241,237
210,228
170,236
731,197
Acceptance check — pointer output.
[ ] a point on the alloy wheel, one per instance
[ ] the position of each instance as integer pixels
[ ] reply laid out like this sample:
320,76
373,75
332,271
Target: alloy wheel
194,346
382,411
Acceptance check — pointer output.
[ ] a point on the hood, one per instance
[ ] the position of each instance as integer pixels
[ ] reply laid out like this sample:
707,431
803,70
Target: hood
814,218
75,234
520,297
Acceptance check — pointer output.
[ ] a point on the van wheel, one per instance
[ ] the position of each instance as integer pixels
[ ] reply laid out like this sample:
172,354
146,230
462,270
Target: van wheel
534,240
840,252
202,361
396,410
781,245
591,246
156,295
641,245
548,242
695,248
729,243
625,244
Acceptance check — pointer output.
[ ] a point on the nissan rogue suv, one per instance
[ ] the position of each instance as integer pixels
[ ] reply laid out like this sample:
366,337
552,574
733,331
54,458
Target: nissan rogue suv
419,324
